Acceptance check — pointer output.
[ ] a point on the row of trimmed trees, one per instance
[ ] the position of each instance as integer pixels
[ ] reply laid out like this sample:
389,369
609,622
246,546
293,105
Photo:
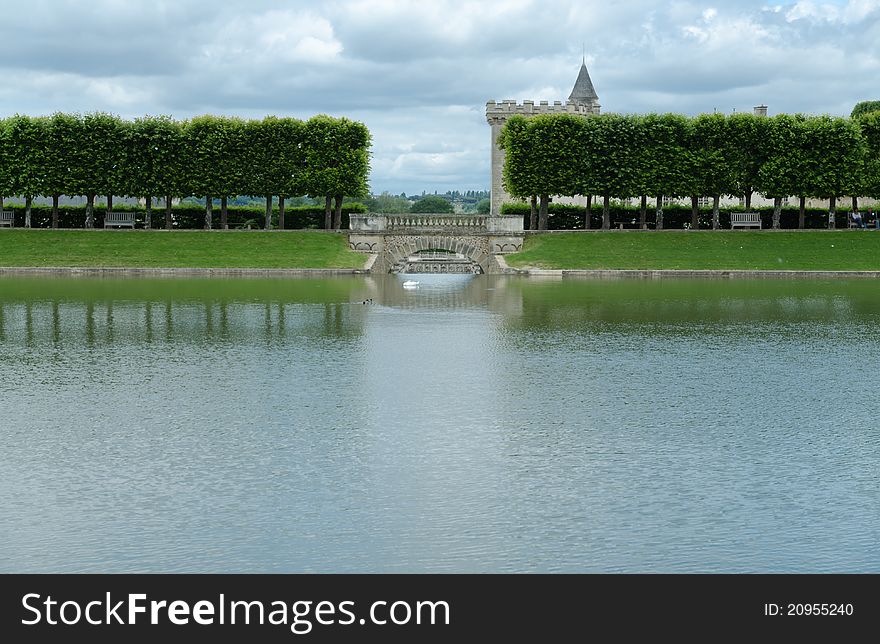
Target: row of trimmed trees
207,157
671,155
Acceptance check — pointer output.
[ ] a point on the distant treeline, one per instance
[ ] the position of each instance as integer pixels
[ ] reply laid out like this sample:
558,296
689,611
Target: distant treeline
208,157
657,155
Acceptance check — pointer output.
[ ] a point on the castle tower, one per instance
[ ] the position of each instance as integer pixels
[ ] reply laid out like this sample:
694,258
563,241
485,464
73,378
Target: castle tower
582,100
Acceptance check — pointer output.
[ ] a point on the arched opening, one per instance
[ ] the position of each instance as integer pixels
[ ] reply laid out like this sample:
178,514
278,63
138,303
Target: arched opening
437,255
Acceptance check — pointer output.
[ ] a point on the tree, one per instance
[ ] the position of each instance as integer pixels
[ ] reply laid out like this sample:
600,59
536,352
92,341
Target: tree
611,158
215,166
520,173
870,127
484,206
28,145
6,163
666,163
61,159
154,161
746,136
865,107
782,172
432,204
289,166
275,155
97,159
388,203
712,159
337,161
837,160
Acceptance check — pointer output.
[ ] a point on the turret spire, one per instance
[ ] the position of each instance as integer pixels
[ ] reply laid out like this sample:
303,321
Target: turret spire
583,92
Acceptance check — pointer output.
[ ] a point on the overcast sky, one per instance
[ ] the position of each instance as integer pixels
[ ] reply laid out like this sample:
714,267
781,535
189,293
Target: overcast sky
419,73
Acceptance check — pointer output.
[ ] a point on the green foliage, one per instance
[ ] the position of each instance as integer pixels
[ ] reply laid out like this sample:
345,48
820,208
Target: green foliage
387,203
99,154
675,156
336,155
484,206
27,141
865,107
870,127
432,204
155,158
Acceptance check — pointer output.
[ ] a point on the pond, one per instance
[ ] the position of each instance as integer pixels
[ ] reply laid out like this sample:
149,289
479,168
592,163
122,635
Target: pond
466,424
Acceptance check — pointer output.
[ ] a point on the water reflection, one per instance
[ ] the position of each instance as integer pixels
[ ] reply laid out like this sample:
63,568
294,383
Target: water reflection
472,424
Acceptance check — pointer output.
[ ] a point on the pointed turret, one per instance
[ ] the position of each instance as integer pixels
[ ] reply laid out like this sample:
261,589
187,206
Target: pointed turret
583,92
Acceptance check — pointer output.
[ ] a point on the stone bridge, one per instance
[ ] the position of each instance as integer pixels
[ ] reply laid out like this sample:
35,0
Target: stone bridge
435,243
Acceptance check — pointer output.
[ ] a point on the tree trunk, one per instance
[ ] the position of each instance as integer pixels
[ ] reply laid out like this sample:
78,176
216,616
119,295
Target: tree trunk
588,215
643,213
337,214
267,223
90,211
168,212
533,212
28,202
855,204
328,213
606,212
109,205
716,216
658,216
148,217
802,213
695,213
209,211
224,213
542,212
777,212
748,199
281,212
54,210
832,205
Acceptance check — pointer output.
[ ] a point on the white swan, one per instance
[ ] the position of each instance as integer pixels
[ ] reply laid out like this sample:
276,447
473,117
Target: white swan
410,284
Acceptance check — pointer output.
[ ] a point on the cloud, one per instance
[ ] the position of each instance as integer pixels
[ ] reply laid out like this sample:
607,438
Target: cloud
419,73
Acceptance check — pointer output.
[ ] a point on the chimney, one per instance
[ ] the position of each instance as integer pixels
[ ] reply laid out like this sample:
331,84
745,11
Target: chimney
760,110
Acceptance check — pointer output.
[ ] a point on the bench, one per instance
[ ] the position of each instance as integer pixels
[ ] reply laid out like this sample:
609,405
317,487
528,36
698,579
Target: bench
745,219
119,219
7,218
851,222
620,224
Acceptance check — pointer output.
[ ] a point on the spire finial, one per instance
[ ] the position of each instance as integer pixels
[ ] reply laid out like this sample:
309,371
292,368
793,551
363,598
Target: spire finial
583,54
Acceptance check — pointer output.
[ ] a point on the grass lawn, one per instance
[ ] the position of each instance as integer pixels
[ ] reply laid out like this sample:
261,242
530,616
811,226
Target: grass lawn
856,250
177,249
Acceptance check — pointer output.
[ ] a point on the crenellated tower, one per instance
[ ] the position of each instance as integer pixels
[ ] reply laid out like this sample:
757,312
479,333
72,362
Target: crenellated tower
582,100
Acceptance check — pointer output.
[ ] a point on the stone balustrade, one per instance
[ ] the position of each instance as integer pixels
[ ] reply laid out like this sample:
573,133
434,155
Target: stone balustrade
456,224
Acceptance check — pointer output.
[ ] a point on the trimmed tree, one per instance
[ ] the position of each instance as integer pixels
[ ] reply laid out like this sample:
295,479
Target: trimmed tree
712,158
782,173
28,145
836,164
337,160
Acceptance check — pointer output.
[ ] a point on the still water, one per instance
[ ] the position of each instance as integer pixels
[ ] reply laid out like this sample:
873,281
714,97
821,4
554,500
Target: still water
471,424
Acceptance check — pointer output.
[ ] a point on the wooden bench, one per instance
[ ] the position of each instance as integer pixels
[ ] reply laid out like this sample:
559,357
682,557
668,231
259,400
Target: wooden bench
119,219
745,219
7,218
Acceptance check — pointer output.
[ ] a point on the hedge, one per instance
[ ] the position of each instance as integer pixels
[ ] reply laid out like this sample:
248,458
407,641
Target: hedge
186,217
570,217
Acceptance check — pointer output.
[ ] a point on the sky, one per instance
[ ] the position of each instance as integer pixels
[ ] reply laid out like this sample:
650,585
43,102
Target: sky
419,73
